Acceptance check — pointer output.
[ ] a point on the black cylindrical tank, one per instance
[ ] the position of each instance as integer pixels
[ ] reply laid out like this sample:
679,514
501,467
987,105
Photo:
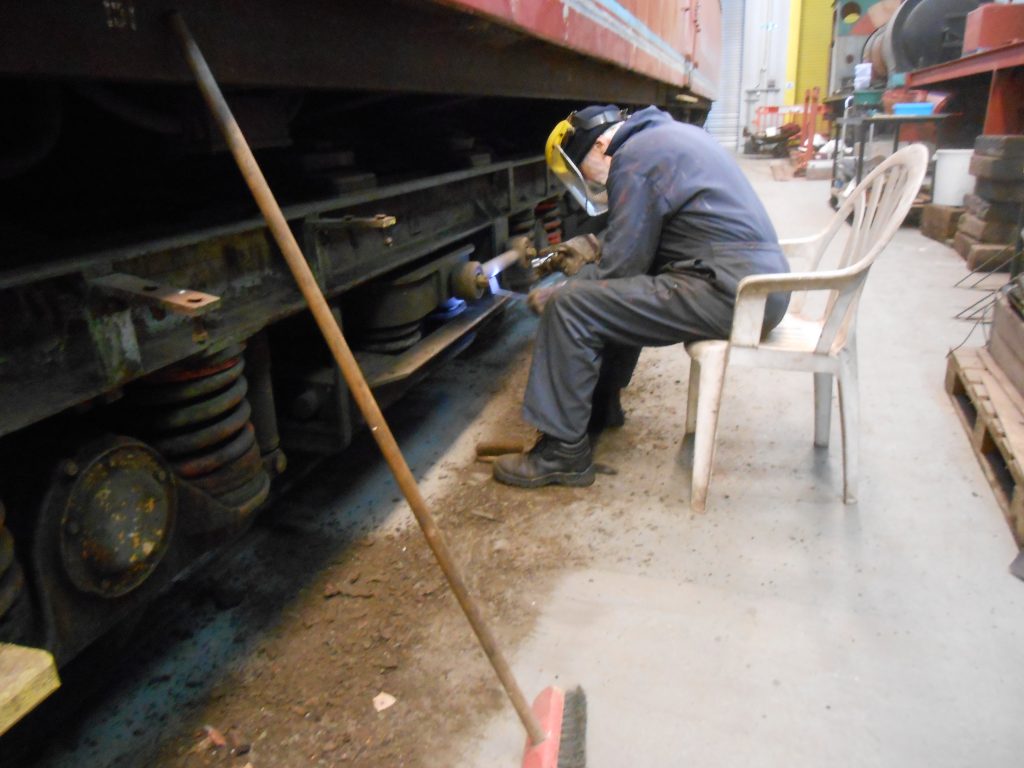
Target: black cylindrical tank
921,33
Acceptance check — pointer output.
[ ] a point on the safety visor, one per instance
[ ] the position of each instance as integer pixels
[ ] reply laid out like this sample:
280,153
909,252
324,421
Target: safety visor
591,197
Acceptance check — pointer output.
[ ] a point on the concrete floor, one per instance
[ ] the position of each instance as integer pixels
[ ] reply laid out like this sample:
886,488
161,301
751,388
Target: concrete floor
781,627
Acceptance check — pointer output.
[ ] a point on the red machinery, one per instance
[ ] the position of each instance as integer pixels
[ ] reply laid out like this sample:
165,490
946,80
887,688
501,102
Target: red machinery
674,43
149,334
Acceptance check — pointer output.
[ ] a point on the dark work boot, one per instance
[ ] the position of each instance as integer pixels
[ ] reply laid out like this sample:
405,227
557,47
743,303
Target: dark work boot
549,462
606,411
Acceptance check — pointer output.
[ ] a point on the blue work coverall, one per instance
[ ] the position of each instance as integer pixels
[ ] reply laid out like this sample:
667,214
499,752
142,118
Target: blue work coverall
684,227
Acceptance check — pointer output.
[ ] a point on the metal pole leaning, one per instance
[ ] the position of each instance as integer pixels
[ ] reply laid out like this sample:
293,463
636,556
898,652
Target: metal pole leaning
332,334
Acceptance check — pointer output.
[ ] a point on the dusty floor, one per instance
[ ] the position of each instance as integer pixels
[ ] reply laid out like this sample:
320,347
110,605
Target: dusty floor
779,628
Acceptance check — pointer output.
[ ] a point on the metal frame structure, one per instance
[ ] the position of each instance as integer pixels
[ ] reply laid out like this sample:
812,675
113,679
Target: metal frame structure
1004,65
524,49
125,339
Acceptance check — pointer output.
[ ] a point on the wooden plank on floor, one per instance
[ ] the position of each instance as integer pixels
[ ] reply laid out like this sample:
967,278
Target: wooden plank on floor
27,676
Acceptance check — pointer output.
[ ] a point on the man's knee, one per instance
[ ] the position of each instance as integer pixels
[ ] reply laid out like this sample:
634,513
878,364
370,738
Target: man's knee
571,299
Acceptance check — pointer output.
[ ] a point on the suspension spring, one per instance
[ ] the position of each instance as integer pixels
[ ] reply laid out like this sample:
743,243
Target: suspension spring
197,416
551,220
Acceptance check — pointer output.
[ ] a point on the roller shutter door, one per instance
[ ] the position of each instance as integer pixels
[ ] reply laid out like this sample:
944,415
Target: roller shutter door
724,120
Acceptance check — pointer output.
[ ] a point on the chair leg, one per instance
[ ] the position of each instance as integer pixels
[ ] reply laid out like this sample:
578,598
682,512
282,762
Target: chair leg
822,408
712,381
849,416
692,396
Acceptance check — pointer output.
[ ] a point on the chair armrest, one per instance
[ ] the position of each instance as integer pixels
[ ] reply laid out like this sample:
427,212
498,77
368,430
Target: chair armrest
823,280
805,249
804,254
797,246
753,292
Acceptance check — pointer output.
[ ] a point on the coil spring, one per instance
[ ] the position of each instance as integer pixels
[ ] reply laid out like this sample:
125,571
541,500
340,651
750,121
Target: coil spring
12,584
198,417
392,339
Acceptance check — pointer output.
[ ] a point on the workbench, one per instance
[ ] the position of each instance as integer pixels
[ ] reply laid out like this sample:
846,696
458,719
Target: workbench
863,134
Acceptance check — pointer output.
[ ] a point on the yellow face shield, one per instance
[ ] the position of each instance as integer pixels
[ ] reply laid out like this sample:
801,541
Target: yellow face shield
558,137
593,202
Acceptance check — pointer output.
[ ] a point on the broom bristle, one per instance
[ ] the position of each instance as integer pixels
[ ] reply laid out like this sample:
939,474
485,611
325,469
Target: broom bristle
572,751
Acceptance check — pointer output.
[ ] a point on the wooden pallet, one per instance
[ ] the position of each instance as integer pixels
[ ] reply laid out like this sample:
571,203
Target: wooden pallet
992,412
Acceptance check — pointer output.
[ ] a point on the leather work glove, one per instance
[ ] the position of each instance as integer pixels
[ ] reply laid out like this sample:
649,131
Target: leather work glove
538,297
571,256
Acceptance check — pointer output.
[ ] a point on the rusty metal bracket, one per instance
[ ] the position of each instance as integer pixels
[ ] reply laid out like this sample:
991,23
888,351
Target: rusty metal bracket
181,301
380,221
319,226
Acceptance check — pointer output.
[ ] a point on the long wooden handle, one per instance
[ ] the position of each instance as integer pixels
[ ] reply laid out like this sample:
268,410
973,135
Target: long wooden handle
349,368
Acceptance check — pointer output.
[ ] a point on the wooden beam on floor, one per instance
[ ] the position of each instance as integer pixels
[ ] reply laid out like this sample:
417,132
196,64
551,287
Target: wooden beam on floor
27,676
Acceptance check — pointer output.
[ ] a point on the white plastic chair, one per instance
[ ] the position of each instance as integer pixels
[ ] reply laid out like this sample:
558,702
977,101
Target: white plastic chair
823,344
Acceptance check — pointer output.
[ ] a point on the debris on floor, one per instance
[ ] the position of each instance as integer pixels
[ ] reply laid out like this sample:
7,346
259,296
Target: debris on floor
383,701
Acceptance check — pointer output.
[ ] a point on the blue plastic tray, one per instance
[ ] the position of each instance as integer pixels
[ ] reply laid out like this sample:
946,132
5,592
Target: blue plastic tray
913,108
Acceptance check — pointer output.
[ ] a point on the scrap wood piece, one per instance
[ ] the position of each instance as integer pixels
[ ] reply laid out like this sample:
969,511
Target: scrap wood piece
27,676
489,450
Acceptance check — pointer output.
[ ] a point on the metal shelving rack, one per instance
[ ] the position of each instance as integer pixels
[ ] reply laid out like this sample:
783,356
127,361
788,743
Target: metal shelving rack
1004,112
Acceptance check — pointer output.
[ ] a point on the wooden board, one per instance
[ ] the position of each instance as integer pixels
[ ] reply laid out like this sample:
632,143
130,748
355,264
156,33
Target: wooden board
1000,146
992,211
962,244
939,222
1006,342
990,257
999,168
27,676
999,191
992,412
987,231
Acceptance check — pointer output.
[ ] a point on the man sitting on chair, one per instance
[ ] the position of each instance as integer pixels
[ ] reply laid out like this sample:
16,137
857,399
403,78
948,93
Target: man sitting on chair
684,227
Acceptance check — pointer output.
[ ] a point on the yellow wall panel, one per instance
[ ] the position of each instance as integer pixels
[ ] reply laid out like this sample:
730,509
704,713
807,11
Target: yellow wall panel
792,51
808,49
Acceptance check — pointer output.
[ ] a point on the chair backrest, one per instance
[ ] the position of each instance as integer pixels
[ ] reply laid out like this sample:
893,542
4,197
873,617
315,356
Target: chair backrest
880,203
878,206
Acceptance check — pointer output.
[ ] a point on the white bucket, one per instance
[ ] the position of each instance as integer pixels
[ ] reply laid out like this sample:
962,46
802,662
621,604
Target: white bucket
952,181
862,76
